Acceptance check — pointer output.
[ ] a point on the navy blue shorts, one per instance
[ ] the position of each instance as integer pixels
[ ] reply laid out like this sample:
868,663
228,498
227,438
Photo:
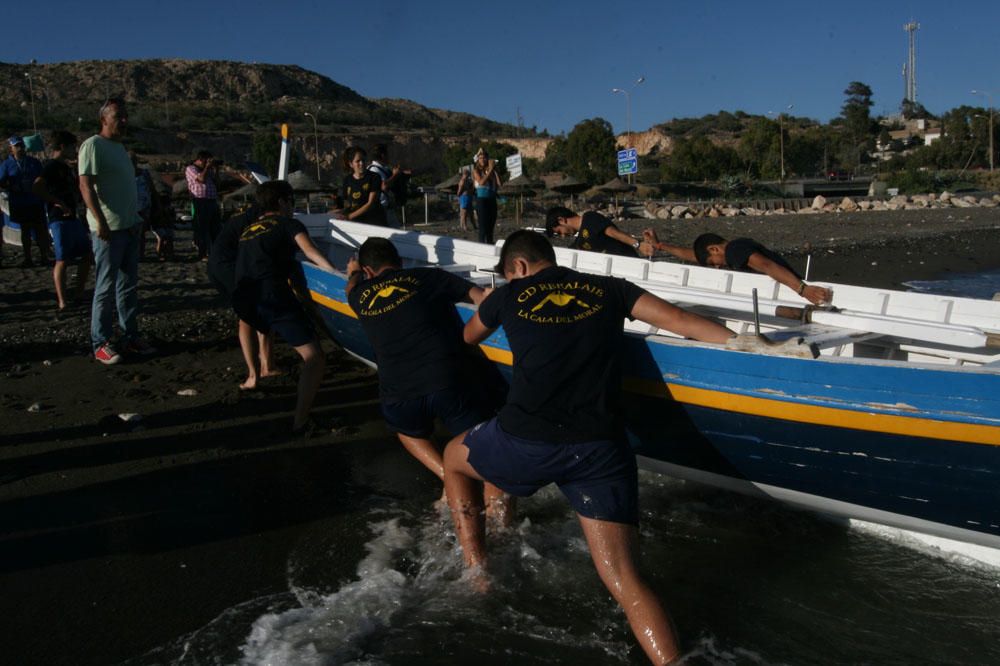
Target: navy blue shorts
458,409
288,321
600,478
70,239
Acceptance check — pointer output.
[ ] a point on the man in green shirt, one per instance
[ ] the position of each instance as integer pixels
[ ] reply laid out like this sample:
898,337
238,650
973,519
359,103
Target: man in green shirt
107,184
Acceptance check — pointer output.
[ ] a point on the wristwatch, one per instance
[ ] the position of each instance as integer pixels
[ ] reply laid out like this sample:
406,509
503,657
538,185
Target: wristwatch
635,245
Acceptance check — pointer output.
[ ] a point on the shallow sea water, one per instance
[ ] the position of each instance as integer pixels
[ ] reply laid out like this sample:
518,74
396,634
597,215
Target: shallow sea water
747,582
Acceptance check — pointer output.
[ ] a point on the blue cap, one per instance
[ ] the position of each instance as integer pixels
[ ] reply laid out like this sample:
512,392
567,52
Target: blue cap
14,140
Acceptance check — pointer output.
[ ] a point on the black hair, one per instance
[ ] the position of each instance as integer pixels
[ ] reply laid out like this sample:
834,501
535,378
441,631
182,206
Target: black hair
61,139
528,245
349,154
203,155
271,193
376,253
380,152
552,216
701,244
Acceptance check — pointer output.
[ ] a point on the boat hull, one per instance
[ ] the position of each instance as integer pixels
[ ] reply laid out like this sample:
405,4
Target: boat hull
911,447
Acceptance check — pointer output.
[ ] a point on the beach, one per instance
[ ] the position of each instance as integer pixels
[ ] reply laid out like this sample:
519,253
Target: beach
121,534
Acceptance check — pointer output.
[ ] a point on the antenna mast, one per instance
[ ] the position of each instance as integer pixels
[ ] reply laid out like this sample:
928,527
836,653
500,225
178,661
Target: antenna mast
910,69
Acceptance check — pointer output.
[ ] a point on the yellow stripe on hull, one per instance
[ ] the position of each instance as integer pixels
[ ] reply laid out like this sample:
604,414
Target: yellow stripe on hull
853,419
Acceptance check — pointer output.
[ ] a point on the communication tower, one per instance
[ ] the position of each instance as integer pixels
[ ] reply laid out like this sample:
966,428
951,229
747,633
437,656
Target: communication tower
910,68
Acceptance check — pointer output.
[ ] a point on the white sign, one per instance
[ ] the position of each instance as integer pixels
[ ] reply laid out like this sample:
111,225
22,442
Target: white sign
514,165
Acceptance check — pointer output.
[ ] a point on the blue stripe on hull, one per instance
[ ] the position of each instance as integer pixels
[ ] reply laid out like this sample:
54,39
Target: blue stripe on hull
952,483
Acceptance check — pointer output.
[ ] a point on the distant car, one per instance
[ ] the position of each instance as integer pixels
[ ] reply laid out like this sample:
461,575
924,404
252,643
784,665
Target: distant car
839,175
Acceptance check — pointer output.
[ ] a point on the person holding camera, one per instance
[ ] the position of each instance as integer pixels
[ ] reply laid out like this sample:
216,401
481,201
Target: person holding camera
202,177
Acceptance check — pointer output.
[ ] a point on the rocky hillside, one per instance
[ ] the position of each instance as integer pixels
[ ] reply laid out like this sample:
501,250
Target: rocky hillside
178,106
213,95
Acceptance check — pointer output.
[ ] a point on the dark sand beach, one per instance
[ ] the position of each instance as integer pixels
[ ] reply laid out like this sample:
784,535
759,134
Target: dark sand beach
118,537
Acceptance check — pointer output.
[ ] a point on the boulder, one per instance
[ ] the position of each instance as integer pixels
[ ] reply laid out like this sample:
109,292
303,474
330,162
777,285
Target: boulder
986,202
819,202
864,204
960,202
678,211
945,197
730,211
848,205
713,212
663,213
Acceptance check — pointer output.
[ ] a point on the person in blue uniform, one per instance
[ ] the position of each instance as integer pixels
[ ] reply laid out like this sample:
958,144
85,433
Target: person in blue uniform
594,233
742,254
561,423
425,369
17,176
265,263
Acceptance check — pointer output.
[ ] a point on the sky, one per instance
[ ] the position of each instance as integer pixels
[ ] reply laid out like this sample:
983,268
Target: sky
554,64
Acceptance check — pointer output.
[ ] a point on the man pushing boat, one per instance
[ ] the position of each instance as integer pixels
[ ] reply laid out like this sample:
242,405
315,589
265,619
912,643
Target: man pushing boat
425,370
562,422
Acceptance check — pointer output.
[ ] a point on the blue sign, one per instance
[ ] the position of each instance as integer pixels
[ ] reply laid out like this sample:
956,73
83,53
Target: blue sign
628,161
626,167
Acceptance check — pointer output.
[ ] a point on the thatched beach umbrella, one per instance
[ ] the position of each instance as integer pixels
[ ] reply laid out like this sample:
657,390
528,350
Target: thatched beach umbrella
521,186
571,186
449,186
304,183
616,186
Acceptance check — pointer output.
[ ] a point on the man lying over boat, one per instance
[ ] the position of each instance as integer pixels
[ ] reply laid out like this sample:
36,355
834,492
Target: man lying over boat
742,254
425,369
562,421
594,233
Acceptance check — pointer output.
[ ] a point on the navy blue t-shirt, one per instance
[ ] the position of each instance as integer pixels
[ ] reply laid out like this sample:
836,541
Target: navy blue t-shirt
410,319
593,236
265,259
356,193
565,332
738,253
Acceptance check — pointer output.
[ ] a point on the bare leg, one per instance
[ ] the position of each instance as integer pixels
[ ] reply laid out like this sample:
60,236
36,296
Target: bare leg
313,364
614,550
265,351
245,333
424,451
499,507
59,279
461,219
465,499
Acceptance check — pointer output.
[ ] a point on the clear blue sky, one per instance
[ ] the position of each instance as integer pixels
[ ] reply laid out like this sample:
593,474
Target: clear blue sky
555,61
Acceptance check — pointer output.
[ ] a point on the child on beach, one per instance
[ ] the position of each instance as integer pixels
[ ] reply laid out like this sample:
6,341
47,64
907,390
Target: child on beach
265,262
58,188
222,272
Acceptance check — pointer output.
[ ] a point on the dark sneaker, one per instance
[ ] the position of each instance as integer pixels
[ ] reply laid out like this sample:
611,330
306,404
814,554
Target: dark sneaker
107,355
139,347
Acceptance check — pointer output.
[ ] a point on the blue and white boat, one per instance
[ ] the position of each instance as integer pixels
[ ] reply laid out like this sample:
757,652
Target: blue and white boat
885,410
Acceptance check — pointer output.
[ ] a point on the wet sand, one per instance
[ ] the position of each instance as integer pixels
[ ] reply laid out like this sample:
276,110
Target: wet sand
119,537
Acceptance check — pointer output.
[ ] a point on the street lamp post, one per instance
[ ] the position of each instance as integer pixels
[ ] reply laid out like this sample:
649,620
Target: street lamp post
781,138
316,138
31,92
628,110
989,97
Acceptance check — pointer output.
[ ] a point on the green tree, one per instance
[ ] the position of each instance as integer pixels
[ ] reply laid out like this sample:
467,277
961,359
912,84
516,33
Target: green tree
555,155
590,151
267,150
698,159
760,148
856,113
